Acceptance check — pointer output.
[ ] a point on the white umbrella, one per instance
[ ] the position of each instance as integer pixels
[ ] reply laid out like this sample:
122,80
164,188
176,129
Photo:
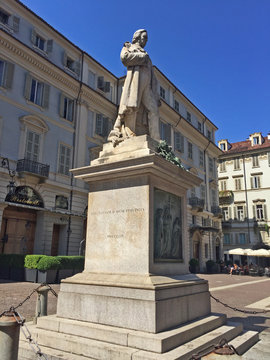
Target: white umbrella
237,251
259,252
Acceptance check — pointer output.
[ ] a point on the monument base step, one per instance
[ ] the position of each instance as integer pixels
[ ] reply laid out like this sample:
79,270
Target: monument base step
76,340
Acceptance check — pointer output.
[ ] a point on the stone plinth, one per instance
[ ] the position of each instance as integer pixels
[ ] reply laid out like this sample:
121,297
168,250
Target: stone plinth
131,280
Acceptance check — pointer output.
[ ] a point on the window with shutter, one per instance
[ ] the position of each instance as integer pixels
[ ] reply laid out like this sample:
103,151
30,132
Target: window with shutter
255,161
201,158
64,159
16,24
6,74
242,238
32,146
178,142
190,150
49,46
4,17
259,212
211,165
66,107
176,105
91,79
199,126
188,116
162,93
36,93
236,164
165,132
222,166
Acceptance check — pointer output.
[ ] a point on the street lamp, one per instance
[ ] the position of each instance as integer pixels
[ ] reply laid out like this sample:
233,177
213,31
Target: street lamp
11,187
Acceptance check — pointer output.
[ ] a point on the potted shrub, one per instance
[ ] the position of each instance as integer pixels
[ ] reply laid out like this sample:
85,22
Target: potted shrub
5,266
66,267
193,265
47,269
78,264
30,265
210,266
17,267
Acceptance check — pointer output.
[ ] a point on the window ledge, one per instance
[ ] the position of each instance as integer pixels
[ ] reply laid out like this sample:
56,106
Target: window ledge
72,72
29,102
66,120
7,28
40,51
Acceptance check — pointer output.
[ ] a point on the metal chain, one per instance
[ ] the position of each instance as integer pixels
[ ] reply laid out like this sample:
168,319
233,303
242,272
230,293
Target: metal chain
240,310
32,343
13,308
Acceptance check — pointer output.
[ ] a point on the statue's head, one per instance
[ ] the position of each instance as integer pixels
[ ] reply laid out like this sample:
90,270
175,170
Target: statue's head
140,36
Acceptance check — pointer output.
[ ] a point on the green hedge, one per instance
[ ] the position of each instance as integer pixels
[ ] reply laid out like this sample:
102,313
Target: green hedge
12,260
44,262
71,262
31,261
48,263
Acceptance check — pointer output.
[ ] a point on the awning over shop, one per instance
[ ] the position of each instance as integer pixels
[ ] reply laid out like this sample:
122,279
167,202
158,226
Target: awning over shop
248,252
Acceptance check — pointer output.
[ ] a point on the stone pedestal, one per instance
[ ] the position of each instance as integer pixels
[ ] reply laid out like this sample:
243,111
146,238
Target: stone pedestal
130,279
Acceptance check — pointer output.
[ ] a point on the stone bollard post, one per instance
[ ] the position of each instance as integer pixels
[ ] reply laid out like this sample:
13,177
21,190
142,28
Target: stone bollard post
9,337
42,302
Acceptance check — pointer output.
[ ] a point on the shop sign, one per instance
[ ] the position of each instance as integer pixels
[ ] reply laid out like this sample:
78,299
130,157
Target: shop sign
25,195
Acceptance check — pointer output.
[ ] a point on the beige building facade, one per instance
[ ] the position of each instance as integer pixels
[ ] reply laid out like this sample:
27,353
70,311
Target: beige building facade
57,106
244,191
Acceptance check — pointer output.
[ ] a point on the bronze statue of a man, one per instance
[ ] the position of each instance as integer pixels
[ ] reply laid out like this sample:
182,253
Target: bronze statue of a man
140,90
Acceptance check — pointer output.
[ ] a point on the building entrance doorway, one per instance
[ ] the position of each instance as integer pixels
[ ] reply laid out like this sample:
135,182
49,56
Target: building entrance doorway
17,231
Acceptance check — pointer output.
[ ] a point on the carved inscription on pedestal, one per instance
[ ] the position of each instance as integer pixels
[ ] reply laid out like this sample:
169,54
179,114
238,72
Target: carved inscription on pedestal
167,226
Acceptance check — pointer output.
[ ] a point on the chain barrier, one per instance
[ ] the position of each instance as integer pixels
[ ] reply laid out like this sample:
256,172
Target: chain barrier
13,308
239,310
32,343
21,321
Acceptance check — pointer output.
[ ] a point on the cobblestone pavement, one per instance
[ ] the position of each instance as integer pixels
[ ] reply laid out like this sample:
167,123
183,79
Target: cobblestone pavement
236,291
230,290
12,293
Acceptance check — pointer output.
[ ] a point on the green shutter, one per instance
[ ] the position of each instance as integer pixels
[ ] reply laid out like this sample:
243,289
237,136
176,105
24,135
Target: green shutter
27,86
8,78
16,24
46,95
33,36
259,181
49,46
251,182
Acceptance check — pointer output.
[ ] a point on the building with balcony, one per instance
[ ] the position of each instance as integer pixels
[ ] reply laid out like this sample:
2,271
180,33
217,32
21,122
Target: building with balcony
57,106
244,191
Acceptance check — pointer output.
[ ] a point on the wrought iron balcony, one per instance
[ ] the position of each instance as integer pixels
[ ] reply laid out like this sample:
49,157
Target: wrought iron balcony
196,203
33,167
217,211
226,197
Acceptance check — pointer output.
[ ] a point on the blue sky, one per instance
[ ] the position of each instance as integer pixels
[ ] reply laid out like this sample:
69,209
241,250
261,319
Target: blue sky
217,52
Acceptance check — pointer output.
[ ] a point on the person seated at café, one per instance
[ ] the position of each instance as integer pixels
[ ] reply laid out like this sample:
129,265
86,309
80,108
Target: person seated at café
234,269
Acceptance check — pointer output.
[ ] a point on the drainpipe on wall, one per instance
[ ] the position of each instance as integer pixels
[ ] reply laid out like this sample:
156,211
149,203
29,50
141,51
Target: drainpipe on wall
246,195
73,153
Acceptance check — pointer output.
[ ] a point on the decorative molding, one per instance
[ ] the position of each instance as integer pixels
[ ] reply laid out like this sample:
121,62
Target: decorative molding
37,61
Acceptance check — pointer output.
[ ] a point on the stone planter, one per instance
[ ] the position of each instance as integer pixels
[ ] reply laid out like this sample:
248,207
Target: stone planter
64,273
5,272
17,274
30,275
48,276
